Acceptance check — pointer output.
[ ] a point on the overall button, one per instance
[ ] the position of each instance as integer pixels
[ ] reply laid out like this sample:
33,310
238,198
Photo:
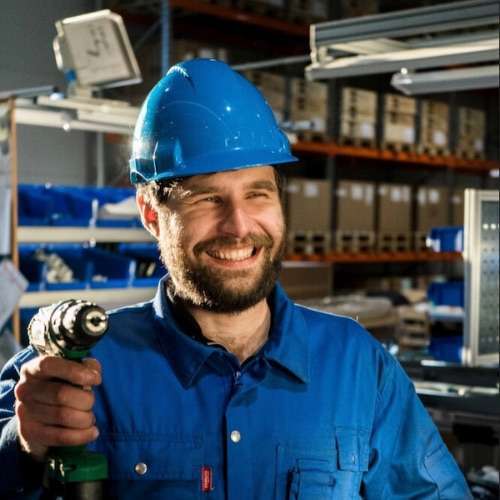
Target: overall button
235,436
141,468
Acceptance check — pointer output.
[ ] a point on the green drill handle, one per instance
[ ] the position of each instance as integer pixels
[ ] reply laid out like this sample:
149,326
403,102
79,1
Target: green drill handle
69,329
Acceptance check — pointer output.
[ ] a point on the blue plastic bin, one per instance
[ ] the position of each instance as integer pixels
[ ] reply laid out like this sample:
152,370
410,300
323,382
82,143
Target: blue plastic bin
450,293
33,270
447,239
143,253
116,270
25,315
447,348
34,206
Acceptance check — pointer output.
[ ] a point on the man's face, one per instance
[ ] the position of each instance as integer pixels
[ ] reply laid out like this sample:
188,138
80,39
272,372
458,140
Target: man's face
222,238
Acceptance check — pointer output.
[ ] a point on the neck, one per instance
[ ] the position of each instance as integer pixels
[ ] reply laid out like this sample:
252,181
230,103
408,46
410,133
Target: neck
242,333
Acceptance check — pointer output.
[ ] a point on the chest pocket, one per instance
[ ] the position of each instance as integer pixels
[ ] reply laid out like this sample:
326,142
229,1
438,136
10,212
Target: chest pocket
152,466
326,470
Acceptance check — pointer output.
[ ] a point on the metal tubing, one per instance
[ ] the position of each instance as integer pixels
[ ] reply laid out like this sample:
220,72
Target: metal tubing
422,20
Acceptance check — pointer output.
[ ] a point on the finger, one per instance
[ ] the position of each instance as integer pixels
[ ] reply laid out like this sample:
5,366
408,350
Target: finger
63,369
93,364
48,435
54,393
56,415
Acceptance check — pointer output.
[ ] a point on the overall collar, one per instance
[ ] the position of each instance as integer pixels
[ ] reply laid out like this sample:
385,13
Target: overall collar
182,342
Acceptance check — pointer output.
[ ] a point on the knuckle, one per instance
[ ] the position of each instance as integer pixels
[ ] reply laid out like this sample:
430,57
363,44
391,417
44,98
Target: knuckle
61,394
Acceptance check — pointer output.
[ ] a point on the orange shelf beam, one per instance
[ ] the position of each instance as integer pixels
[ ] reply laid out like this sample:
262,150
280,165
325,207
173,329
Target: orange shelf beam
452,162
241,16
377,257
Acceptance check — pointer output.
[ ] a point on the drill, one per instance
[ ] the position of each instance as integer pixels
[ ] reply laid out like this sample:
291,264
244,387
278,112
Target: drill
69,329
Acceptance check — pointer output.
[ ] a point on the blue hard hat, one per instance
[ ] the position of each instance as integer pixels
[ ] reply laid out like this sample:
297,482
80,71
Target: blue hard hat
203,117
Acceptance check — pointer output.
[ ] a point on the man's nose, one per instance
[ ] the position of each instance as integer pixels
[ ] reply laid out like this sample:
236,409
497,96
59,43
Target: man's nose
235,221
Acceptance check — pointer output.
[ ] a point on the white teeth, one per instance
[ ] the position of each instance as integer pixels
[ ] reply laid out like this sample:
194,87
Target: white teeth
235,255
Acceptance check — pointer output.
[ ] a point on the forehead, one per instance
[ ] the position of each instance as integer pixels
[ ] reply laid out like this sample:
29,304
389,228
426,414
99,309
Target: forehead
233,178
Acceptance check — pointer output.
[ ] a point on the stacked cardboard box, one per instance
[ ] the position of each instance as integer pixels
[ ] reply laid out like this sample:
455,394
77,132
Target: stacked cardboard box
273,88
358,117
309,107
355,216
434,128
308,215
432,211
399,122
471,130
394,217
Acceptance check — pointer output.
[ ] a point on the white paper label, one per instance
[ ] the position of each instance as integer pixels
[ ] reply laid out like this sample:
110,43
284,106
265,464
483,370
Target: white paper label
293,188
12,286
479,145
311,190
382,190
367,130
439,138
433,196
405,193
396,195
341,193
357,192
421,197
409,134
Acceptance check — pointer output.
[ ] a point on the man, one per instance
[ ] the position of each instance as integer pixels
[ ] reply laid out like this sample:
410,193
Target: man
221,387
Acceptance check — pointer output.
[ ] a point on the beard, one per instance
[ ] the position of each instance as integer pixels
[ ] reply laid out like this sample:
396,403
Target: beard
220,290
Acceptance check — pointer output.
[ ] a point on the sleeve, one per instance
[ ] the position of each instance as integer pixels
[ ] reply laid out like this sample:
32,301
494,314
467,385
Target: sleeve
21,476
408,458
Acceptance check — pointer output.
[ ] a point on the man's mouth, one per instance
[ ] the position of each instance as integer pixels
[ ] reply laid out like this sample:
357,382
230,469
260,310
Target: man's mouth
233,255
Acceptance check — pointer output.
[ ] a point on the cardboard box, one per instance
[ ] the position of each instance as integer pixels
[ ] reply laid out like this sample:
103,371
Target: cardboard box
399,133
308,205
457,207
307,280
309,105
394,208
355,206
432,208
362,130
358,101
395,103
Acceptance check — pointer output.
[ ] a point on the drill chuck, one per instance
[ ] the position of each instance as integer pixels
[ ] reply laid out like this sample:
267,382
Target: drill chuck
70,326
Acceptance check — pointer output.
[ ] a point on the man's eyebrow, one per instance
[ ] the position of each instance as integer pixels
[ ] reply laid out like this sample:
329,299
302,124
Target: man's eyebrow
267,185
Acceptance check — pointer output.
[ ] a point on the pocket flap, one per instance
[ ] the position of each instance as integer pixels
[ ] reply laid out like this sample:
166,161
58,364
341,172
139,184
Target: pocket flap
352,449
151,457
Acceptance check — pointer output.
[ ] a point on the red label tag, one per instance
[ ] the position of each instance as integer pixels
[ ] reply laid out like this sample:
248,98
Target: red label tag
206,479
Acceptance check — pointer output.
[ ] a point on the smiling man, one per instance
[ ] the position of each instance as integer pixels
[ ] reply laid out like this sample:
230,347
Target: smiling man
221,387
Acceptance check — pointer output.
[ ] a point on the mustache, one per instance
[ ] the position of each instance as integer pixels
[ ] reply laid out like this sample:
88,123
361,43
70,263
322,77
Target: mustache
219,242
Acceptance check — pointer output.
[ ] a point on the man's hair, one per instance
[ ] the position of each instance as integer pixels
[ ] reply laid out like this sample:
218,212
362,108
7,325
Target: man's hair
157,193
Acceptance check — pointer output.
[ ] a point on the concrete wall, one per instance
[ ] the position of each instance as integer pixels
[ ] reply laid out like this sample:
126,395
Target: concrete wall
26,60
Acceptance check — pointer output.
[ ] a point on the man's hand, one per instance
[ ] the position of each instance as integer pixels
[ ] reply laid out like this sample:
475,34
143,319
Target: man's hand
54,403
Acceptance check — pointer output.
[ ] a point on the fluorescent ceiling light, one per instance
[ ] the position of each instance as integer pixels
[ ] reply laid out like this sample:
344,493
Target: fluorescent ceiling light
430,82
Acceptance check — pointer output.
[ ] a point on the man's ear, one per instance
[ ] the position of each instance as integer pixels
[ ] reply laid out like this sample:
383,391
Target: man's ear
149,215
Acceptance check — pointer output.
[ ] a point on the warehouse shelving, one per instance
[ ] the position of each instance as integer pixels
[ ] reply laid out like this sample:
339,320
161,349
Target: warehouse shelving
379,257
331,149
51,234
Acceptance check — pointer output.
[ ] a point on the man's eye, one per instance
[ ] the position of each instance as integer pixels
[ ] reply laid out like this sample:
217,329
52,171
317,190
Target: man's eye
258,194
209,199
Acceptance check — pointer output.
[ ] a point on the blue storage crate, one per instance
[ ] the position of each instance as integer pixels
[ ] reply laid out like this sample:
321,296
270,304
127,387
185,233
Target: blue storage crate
33,270
74,255
116,270
447,348
73,208
447,239
143,253
35,206
450,293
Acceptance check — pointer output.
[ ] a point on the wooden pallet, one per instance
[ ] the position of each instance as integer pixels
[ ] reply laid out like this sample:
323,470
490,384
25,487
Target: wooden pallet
354,241
394,242
469,154
420,241
432,150
308,242
357,142
311,135
398,147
